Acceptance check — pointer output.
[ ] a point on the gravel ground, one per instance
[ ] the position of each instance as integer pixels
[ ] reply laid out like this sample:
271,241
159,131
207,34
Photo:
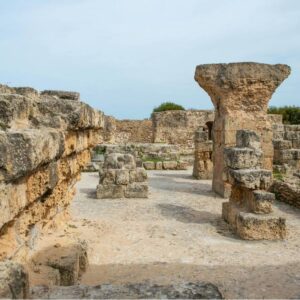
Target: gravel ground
178,234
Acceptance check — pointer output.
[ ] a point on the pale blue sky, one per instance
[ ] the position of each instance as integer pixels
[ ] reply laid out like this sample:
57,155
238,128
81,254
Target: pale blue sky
127,56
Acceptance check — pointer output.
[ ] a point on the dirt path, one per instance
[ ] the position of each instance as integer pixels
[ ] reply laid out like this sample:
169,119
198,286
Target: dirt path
178,234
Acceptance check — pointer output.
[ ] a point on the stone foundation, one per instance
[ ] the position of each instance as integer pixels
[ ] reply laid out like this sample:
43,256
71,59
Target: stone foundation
249,210
45,142
120,178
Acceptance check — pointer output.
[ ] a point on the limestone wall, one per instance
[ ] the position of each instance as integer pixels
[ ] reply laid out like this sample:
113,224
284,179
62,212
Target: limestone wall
133,131
44,140
178,127
127,131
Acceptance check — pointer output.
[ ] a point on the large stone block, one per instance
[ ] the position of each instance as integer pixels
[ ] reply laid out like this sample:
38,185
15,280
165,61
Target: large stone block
261,201
137,190
260,227
247,138
251,178
119,161
23,151
242,158
107,191
169,165
122,177
149,165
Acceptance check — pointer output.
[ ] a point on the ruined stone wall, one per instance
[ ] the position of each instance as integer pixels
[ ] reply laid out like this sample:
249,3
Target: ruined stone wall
44,140
133,131
179,126
240,93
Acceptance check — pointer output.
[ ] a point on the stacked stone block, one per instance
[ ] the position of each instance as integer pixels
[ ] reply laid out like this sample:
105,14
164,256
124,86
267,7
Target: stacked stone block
286,142
120,178
203,165
249,210
45,141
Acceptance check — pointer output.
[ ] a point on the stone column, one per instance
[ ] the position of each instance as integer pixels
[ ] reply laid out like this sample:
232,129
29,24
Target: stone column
240,93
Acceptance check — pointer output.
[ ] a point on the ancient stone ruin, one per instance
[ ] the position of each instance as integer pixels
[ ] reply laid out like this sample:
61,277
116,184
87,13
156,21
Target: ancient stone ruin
286,142
45,141
203,165
250,205
120,178
48,138
240,93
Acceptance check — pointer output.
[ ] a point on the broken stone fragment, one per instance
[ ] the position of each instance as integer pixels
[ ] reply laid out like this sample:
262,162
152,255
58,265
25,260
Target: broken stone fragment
242,158
251,178
62,94
13,281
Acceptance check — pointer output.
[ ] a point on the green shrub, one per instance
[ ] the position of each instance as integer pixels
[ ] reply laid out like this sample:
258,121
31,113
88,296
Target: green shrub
291,114
277,175
167,106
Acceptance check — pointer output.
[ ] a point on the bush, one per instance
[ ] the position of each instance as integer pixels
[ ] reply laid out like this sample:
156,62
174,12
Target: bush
291,114
168,106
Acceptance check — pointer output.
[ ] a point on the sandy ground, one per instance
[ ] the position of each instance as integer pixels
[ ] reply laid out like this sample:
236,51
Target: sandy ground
178,234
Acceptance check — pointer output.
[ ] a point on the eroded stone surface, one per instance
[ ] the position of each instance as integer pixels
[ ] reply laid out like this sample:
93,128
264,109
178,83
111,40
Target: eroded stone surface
13,281
184,290
240,93
120,178
44,142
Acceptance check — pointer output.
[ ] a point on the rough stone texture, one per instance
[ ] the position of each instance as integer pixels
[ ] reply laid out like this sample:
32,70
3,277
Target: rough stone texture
288,190
286,145
45,142
121,178
249,209
60,264
203,165
13,281
240,93
183,290
178,127
147,153
127,131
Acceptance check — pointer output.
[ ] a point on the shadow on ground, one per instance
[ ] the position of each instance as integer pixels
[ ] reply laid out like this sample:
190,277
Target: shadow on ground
90,193
175,183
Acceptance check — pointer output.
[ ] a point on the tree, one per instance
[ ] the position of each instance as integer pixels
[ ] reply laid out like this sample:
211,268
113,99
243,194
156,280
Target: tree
168,106
291,114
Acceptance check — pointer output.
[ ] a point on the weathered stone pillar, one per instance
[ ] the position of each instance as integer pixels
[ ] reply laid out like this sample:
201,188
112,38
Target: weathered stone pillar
240,93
